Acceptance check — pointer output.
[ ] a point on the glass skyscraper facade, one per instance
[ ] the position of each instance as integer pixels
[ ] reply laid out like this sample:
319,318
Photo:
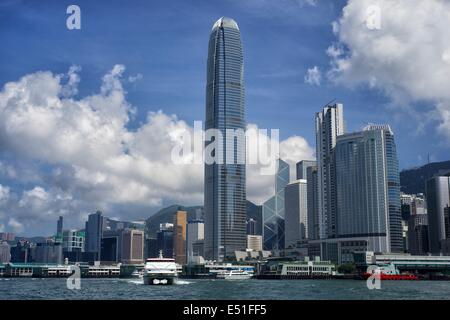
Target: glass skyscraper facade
225,194
274,211
368,189
329,125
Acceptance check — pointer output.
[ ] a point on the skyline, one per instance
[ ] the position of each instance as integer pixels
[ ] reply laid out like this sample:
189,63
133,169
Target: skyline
51,180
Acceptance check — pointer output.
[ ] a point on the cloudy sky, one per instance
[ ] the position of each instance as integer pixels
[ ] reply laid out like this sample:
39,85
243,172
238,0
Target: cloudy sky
88,117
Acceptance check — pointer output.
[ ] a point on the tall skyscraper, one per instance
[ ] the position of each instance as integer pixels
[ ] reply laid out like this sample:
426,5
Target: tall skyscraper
59,227
329,125
368,189
438,198
313,202
225,194
164,239
179,236
302,167
132,246
94,233
296,215
273,211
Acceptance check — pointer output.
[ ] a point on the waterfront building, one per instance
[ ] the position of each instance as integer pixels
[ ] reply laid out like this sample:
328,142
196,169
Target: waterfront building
368,188
418,242
195,232
251,226
224,189
312,202
179,236
273,211
111,245
21,252
164,238
49,252
94,233
296,212
438,198
151,248
302,168
254,242
198,248
329,125
132,246
5,252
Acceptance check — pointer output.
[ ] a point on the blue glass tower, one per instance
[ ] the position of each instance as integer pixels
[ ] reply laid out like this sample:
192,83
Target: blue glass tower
225,195
273,211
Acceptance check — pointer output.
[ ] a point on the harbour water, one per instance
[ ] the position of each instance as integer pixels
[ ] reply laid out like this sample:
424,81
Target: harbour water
52,288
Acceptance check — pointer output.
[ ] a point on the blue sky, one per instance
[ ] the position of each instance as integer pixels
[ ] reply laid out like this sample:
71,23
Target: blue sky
165,42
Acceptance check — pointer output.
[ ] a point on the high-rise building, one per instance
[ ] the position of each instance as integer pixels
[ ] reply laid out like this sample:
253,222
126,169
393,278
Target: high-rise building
5,252
164,238
368,188
329,125
94,233
179,236
438,198
254,242
418,234
296,212
132,246
49,252
313,202
225,194
59,227
195,232
273,211
302,167
21,252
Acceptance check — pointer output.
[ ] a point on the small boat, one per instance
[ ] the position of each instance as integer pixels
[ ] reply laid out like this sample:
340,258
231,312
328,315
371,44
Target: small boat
160,270
235,275
388,272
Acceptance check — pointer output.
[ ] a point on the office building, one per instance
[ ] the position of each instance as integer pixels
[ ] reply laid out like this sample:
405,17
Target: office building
5,252
313,202
329,125
254,242
94,233
296,212
418,242
302,167
438,198
164,238
59,227
132,246
368,189
251,226
21,252
273,211
48,253
151,248
195,232
179,237
224,192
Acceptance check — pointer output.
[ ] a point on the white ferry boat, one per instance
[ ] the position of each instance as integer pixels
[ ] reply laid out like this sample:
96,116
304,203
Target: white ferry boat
160,270
239,274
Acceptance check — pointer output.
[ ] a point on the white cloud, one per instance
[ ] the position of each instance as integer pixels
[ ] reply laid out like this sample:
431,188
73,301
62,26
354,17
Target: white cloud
407,58
74,156
313,76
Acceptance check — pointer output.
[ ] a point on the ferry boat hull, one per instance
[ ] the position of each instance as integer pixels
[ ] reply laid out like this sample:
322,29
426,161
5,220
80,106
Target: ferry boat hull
384,276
